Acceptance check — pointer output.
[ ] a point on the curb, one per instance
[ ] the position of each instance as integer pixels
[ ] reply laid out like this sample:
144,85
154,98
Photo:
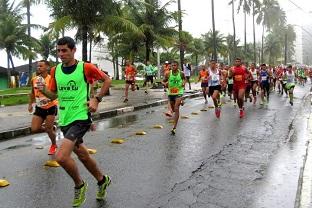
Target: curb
24,131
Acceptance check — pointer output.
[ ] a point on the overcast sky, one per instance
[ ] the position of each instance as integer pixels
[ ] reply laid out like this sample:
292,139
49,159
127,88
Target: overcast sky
197,19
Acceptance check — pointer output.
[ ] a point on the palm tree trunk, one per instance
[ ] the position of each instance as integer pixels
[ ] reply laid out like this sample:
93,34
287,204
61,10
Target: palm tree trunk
147,51
117,68
11,60
180,34
262,40
215,56
286,49
84,36
8,69
29,34
234,31
254,30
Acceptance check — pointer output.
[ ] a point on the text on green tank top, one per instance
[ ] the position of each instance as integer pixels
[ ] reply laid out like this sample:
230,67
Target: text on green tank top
72,90
175,86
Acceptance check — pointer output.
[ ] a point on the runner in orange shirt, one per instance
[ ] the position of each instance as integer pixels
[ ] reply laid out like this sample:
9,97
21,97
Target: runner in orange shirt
45,109
130,72
203,77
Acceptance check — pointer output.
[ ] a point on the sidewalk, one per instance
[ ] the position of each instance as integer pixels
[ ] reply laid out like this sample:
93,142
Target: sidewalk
16,120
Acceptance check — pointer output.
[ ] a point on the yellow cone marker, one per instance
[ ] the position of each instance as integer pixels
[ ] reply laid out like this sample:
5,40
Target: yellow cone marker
92,151
185,117
158,126
140,133
171,121
4,183
211,106
203,110
195,113
52,163
118,141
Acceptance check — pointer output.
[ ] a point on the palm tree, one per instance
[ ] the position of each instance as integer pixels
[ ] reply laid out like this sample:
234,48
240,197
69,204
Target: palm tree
197,49
85,15
13,37
27,4
46,46
154,22
272,48
269,14
218,41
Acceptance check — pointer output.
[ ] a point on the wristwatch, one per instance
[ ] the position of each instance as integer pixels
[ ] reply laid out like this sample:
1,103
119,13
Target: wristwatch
98,98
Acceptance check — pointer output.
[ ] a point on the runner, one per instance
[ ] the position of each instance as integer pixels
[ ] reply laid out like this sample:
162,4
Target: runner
175,81
239,86
230,83
248,78
264,84
187,72
149,75
290,75
203,77
130,73
46,109
254,81
215,86
70,83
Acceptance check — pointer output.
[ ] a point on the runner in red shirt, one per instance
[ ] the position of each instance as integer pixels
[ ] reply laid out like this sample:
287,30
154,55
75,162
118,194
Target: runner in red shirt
238,73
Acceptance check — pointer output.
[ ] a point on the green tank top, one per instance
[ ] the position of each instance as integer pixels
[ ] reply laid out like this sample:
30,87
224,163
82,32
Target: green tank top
175,84
73,94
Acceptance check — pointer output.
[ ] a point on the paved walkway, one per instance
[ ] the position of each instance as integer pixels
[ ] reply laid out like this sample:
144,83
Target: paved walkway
16,117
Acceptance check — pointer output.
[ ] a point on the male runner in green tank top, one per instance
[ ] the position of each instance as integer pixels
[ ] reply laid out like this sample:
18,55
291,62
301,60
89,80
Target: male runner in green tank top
70,82
175,81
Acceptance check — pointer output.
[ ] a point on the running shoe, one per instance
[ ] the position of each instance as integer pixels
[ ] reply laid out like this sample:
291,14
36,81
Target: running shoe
126,100
254,100
291,103
80,195
241,113
137,87
52,149
145,92
206,101
101,194
173,131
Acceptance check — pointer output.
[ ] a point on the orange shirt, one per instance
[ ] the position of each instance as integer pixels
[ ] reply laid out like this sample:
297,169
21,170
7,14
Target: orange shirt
204,75
91,72
41,100
130,72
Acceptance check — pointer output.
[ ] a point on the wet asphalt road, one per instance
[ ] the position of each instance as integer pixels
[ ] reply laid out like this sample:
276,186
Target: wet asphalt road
226,162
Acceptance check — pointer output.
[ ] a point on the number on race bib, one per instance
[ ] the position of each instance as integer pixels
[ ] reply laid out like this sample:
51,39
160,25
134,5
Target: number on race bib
238,78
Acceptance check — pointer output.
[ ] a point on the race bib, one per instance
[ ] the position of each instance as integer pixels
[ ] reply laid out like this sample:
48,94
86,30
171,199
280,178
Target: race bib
238,78
230,81
264,78
40,102
174,90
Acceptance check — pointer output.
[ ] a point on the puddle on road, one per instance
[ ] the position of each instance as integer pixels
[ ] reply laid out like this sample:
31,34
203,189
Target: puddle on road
117,122
278,188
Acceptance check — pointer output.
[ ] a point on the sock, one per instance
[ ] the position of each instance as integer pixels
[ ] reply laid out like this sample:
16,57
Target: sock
101,182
